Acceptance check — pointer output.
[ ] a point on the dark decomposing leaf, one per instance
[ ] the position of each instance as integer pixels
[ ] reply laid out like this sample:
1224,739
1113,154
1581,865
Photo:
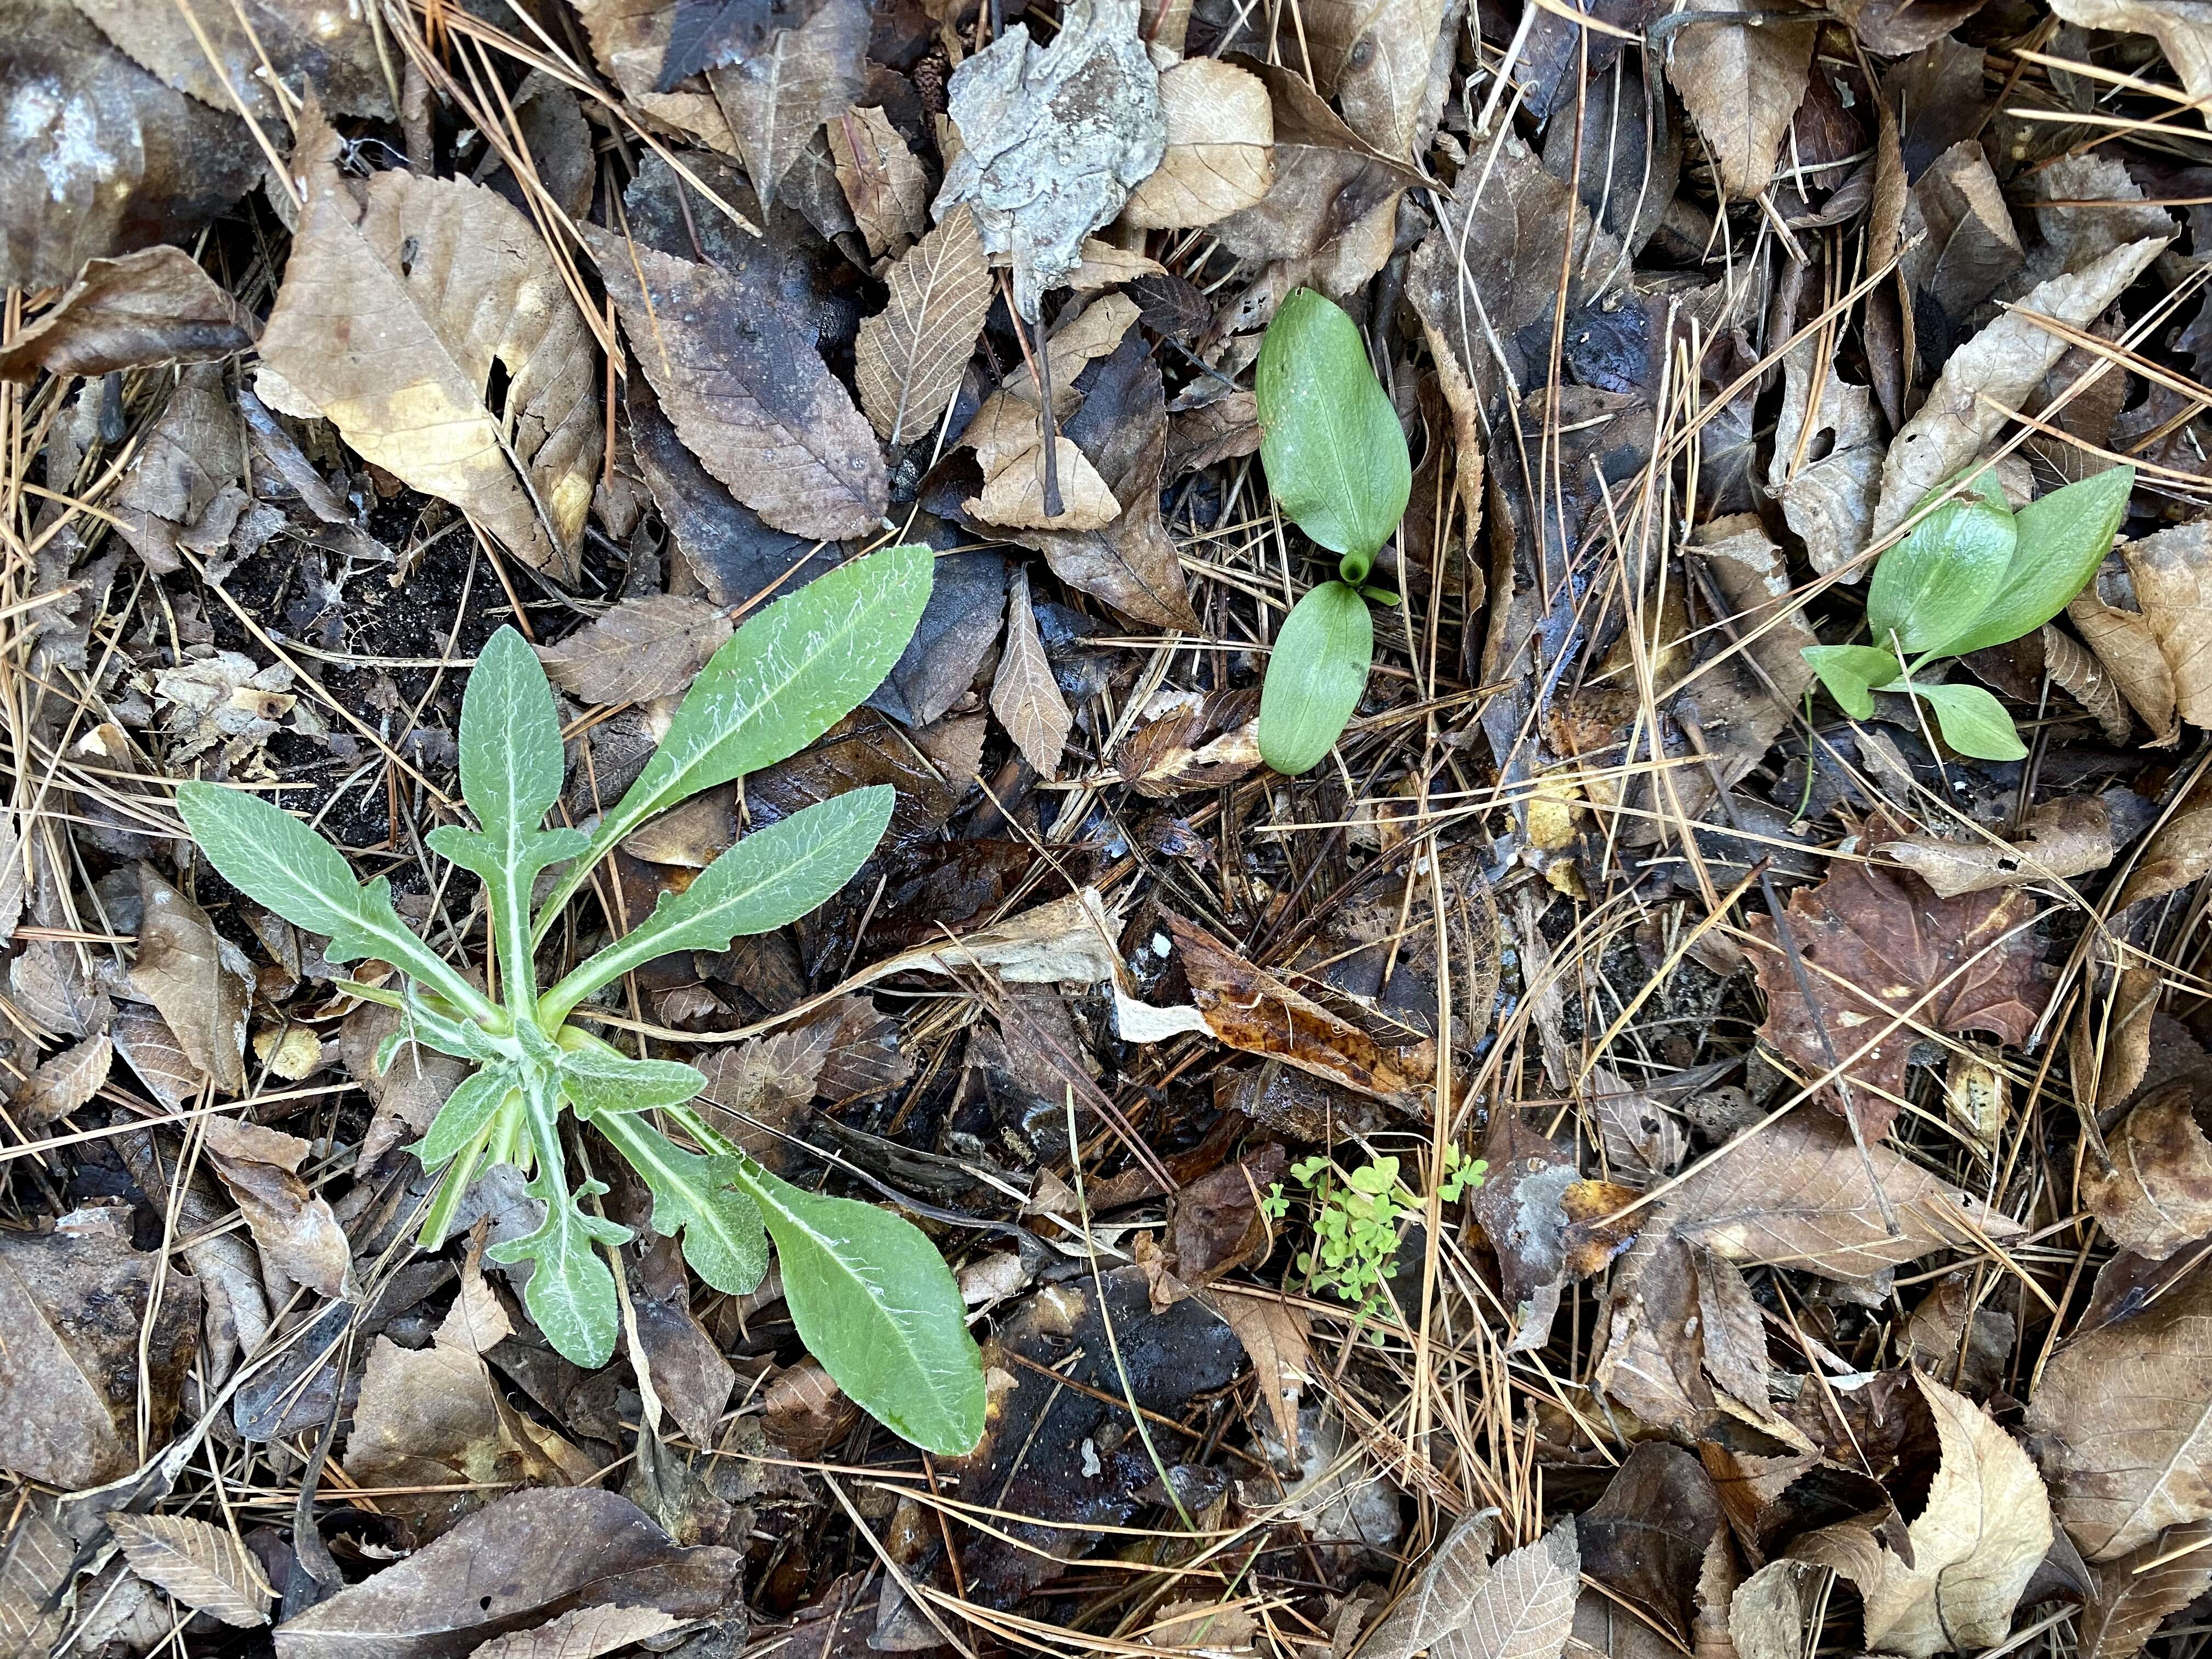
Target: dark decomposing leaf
152,307
1546,1224
747,392
1198,743
199,981
1053,139
777,98
1646,1539
1884,961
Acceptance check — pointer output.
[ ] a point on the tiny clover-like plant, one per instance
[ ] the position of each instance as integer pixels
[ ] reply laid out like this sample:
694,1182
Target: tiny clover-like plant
1337,465
1356,1216
1970,575
868,1292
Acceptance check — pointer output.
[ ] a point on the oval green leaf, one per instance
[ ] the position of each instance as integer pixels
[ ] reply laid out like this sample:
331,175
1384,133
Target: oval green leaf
1851,672
1315,677
1973,722
1929,589
1335,454
2061,539
874,1301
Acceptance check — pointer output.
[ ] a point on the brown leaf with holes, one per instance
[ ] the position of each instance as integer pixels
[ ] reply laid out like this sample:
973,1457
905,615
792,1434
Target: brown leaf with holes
747,391
2061,839
644,647
1884,960
1248,1008
910,355
201,1565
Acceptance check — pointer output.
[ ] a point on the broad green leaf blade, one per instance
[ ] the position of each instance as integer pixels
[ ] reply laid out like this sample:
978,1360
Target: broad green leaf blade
1316,675
1929,589
465,1114
510,738
876,1304
571,1292
272,857
1850,672
602,1082
1334,453
2062,539
724,1239
781,681
1973,722
773,876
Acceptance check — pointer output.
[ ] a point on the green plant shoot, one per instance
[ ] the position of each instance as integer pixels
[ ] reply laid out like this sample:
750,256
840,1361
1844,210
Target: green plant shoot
1337,464
1356,1220
1972,575
869,1293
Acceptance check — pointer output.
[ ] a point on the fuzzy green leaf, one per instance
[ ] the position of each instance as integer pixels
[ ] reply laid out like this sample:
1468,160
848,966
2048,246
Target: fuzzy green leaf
700,1198
2061,539
1850,672
773,876
780,682
1929,589
599,1081
1973,722
571,1292
272,857
1334,453
1315,677
466,1111
874,1301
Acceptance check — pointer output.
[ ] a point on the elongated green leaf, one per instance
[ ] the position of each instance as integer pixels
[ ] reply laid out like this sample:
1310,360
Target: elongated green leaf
1334,453
272,857
1850,672
1316,675
780,682
699,1197
600,1081
571,1292
465,1112
876,1304
773,876
1973,722
2062,539
1929,589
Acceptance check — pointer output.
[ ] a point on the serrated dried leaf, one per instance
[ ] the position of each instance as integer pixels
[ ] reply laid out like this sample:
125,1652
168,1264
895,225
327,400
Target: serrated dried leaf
63,1083
1220,154
585,1633
910,355
882,181
777,98
398,297
1380,60
1053,139
200,1565
14,875
1439,1599
1770,1610
642,648
1884,960
747,391
295,1228
150,1048
1024,696
1742,84
152,307
1526,1607
200,981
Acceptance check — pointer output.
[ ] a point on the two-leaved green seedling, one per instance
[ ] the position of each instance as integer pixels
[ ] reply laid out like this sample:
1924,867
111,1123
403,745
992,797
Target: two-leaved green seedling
868,1292
1973,573
1337,466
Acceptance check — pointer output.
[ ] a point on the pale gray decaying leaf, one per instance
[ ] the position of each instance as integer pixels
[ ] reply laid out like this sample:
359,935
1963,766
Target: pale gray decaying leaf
1053,139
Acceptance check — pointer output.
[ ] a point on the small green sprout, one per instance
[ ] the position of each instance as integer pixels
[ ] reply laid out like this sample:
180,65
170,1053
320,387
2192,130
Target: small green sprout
1356,1219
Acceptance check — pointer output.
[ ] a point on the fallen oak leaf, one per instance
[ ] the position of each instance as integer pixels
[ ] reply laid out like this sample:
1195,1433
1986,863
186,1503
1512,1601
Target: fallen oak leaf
1883,959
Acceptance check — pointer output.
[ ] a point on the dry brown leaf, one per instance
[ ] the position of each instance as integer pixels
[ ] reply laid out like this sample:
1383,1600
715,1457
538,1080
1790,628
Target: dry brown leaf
2061,838
1439,1599
1977,1542
630,39
200,981
1641,1139
1646,1539
882,181
1248,1008
224,57
747,391
1742,84
1053,139
400,294
2171,572
1013,496
2084,675
2134,1597
1956,1343
2183,29
75,1303
2118,1423
63,1083
806,1412
1525,1608
1770,1611
1277,1335
1960,244
295,1228
152,307
1195,743
1105,266
1827,498
1380,60
1884,960
1990,378
910,355
642,648
1220,156
1898,28
2177,853
2157,1196
777,98
1024,696
150,1048
188,462
585,1633
1684,1343
202,1566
